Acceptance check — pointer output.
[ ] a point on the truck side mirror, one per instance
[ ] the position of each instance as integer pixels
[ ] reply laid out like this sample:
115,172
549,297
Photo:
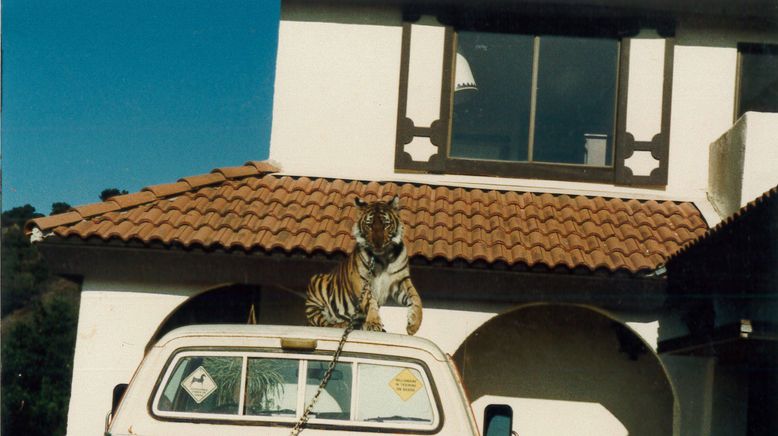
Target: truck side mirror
498,420
118,393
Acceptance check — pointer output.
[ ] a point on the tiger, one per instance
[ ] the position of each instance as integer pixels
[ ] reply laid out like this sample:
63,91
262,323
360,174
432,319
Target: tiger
378,264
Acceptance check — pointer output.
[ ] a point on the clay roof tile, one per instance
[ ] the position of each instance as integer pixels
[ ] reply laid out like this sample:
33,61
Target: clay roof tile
263,167
50,222
167,189
203,180
90,210
237,172
129,200
246,208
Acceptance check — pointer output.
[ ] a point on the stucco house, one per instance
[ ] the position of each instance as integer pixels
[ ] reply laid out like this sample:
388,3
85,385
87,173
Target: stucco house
559,168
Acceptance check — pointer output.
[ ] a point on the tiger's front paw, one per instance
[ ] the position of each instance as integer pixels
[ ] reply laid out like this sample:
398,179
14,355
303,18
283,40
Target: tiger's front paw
373,326
414,322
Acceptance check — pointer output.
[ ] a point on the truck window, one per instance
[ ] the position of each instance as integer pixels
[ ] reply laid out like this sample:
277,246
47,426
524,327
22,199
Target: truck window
335,401
392,393
271,387
204,384
249,386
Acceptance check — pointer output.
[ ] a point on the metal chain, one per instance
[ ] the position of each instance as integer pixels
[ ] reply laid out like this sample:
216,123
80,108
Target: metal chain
298,427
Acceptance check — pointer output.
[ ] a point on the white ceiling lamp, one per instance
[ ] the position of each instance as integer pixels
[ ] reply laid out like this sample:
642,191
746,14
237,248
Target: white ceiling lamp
464,82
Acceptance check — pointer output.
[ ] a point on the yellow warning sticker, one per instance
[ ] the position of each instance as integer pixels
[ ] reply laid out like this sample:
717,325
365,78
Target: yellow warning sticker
405,384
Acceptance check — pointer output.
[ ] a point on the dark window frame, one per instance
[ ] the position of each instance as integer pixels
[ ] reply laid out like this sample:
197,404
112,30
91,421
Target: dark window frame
624,144
747,48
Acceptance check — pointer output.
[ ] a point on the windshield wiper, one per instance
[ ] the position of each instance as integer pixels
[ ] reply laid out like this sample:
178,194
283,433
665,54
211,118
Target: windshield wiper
397,418
273,412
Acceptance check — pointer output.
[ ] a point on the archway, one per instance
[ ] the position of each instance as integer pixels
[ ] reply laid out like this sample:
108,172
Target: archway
568,362
233,304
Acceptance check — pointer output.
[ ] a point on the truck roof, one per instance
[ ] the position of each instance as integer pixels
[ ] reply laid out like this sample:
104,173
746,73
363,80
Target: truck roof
298,332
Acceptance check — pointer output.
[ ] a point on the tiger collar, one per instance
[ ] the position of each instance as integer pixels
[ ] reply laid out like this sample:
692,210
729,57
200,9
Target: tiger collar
382,261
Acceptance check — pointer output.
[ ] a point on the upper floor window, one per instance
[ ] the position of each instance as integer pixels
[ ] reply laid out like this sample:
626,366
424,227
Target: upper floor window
539,98
547,99
758,78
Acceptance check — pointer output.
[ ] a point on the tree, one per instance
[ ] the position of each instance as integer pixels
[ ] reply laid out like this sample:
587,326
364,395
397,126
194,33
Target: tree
37,367
19,215
23,270
110,192
59,207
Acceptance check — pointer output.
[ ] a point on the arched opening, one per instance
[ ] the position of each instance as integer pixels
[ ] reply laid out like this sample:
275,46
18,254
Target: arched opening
236,304
568,369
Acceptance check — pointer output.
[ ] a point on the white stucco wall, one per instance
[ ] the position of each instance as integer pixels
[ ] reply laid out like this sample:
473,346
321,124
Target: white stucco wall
760,166
448,328
336,97
744,162
702,106
335,102
114,324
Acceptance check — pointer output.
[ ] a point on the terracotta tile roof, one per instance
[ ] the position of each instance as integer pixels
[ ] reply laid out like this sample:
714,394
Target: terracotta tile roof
249,208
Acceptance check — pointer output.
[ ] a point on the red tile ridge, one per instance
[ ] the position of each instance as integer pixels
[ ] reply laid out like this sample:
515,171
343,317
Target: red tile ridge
52,221
264,166
201,180
167,189
149,194
237,172
94,209
127,201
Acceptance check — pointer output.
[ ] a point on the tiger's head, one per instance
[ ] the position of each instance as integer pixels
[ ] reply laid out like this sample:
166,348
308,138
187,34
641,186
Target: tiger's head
378,228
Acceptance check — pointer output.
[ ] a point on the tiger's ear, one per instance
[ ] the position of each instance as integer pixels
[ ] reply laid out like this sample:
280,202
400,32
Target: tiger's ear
395,202
360,203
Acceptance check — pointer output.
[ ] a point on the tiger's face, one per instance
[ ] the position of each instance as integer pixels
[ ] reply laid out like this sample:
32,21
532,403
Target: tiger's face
378,228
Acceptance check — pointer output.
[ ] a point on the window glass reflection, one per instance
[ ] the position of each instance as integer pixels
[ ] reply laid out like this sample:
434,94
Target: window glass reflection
335,401
271,387
576,100
494,122
758,78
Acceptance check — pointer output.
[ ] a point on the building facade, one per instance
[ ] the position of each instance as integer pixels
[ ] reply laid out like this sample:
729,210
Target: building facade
548,159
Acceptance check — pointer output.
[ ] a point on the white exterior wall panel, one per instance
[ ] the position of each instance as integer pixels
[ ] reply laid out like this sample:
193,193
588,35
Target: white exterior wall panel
337,86
113,329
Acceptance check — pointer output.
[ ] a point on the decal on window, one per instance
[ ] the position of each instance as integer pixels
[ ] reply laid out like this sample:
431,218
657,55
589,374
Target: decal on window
405,384
199,384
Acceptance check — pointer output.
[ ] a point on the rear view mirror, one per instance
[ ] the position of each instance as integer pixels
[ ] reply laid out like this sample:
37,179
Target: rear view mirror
498,420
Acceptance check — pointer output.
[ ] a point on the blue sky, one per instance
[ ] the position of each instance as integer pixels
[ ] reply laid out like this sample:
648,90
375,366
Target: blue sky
124,94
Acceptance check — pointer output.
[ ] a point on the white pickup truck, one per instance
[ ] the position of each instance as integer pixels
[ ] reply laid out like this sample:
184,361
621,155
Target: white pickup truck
246,379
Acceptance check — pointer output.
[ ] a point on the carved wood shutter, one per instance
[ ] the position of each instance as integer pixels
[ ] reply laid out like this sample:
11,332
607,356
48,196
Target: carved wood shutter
424,109
643,109
643,124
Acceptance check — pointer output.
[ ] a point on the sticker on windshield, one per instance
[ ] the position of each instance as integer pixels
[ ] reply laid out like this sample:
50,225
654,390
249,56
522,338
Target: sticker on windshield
405,384
199,384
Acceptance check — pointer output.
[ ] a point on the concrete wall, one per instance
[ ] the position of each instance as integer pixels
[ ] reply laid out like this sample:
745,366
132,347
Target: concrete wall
119,316
335,102
115,322
337,82
341,121
743,162
570,358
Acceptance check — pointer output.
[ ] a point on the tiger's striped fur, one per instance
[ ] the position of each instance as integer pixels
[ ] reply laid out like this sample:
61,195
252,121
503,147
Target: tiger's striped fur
334,298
